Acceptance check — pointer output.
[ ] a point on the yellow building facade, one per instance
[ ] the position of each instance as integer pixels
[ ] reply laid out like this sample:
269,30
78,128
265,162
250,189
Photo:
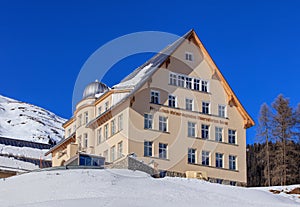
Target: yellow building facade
176,110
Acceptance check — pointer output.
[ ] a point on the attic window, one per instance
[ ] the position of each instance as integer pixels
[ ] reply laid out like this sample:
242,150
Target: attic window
189,56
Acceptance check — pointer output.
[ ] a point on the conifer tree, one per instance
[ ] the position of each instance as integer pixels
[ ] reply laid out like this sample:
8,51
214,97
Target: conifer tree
282,129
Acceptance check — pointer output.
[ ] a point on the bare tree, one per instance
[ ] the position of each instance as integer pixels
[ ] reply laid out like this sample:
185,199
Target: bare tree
264,132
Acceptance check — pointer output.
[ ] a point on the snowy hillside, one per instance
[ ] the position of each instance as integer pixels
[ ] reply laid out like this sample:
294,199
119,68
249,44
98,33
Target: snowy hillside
126,188
24,121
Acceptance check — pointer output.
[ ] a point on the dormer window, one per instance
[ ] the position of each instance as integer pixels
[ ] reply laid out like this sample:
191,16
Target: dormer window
189,56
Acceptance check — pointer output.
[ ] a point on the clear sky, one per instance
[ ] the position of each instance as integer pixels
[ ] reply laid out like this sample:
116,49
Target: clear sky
43,44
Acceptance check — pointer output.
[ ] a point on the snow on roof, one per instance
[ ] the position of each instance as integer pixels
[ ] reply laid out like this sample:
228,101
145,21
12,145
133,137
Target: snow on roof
146,70
23,152
136,79
9,163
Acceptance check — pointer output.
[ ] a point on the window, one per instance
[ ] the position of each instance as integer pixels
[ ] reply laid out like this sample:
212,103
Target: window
69,132
231,136
233,183
219,181
172,101
120,122
189,104
163,151
204,86
191,155
191,129
79,120
99,136
188,83
106,105
154,97
79,141
189,56
204,131
105,154
232,162
148,121
112,127
112,153
221,111
162,123
85,140
148,148
219,134
120,149
219,160
205,158
196,84
205,107
105,131
99,110
173,79
180,80
86,117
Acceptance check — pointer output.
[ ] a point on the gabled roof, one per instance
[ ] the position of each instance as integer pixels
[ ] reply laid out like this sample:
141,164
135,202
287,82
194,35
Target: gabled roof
139,76
146,70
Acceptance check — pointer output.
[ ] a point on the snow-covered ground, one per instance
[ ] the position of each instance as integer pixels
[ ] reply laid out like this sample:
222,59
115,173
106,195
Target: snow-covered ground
25,121
126,188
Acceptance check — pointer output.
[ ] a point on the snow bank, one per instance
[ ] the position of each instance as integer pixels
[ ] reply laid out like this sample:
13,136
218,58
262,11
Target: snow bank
126,188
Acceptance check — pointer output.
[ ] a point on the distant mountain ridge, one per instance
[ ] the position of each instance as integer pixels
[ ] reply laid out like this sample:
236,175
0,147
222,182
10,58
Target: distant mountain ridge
28,122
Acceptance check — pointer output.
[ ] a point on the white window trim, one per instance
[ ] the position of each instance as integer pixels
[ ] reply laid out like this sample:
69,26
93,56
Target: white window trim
225,110
189,54
154,91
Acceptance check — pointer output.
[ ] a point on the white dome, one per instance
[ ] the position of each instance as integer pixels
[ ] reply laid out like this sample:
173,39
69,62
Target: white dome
94,88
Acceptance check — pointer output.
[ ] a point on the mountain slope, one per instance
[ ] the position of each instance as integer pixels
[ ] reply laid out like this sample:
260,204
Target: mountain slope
111,187
25,121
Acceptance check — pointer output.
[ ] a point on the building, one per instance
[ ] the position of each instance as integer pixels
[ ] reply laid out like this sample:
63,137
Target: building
19,156
176,110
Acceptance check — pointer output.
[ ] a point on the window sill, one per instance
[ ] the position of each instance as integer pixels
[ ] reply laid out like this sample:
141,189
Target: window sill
197,112
211,140
155,130
158,158
208,166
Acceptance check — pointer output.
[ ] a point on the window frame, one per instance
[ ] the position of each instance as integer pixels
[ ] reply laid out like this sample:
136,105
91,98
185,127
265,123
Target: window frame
191,129
120,149
218,131
222,111
192,156
148,148
113,153
163,123
205,158
189,106
232,162
163,151
196,84
148,121
99,135
154,97
205,131
219,160
85,140
205,107
173,79
205,86
232,138
189,56
172,101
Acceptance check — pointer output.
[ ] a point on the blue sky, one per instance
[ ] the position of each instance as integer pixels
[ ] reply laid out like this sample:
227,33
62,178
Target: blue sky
43,44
